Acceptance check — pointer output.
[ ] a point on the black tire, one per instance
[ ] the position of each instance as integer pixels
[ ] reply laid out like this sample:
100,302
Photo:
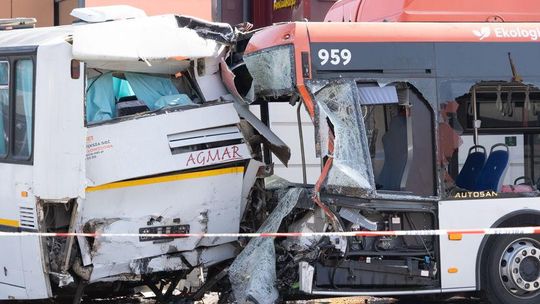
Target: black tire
500,288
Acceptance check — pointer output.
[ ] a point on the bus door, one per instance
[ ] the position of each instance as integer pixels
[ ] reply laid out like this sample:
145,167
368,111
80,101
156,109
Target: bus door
16,140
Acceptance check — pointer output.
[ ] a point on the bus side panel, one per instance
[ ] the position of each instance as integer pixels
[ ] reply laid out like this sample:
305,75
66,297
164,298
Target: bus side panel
471,214
10,247
203,202
11,272
60,134
149,142
11,292
35,279
21,265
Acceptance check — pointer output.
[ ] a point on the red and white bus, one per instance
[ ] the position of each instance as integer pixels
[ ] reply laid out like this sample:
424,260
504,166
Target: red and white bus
421,126
433,11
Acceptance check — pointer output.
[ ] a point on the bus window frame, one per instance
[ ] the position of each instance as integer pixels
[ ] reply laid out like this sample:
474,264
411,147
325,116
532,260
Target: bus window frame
431,106
12,55
149,113
7,143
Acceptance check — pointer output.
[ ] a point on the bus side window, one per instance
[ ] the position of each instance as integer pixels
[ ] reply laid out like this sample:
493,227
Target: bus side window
24,89
113,94
401,136
4,106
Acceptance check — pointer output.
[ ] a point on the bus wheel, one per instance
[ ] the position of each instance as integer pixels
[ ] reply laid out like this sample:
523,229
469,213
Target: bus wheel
512,273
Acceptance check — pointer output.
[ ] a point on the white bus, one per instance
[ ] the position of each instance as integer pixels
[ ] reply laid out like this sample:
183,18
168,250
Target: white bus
120,123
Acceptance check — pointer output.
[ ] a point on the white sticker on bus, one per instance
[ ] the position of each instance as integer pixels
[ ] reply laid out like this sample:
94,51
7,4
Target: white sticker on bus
500,32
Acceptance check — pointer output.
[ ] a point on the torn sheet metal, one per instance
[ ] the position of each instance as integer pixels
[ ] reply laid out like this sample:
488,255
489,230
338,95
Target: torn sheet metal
426,87
63,279
202,212
250,177
238,83
221,32
354,216
157,264
352,168
314,221
208,77
275,182
208,256
276,145
253,272
272,71
151,39
227,76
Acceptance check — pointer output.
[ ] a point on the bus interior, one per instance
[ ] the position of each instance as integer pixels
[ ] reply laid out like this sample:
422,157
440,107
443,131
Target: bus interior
115,94
496,154
498,151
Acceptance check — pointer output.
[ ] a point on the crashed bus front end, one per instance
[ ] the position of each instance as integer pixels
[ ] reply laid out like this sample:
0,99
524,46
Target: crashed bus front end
180,155
391,104
346,111
387,124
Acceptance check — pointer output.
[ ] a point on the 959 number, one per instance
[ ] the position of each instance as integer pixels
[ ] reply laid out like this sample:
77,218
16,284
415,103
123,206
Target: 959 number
335,56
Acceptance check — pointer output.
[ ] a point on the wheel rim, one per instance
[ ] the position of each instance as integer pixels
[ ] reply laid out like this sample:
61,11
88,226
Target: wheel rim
519,268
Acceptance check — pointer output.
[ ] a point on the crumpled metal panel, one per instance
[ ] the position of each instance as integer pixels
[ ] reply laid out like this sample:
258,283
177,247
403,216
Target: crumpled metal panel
253,272
154,40
426,87
313,221
221,32
276,145
338,100
272,71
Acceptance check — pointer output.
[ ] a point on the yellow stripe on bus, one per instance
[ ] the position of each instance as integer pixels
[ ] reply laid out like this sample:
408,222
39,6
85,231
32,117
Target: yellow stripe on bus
10,223
168,178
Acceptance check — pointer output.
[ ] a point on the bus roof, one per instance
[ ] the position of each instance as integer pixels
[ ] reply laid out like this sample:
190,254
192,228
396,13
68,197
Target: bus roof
433,10
35,36
423,32
157,44
393,32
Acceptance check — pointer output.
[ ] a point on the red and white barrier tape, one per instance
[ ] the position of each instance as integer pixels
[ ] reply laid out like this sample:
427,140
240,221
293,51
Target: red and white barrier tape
440,232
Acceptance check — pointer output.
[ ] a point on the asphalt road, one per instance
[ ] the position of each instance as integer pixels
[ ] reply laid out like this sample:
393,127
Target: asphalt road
212,299
365,300
350,300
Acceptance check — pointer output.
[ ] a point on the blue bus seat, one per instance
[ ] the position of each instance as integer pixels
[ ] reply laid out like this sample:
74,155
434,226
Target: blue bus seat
395,155
474,163
492,174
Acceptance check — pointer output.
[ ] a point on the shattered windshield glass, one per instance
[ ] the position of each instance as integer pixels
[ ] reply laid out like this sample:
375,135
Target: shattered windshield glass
351,170
379,134
253,272
272,71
